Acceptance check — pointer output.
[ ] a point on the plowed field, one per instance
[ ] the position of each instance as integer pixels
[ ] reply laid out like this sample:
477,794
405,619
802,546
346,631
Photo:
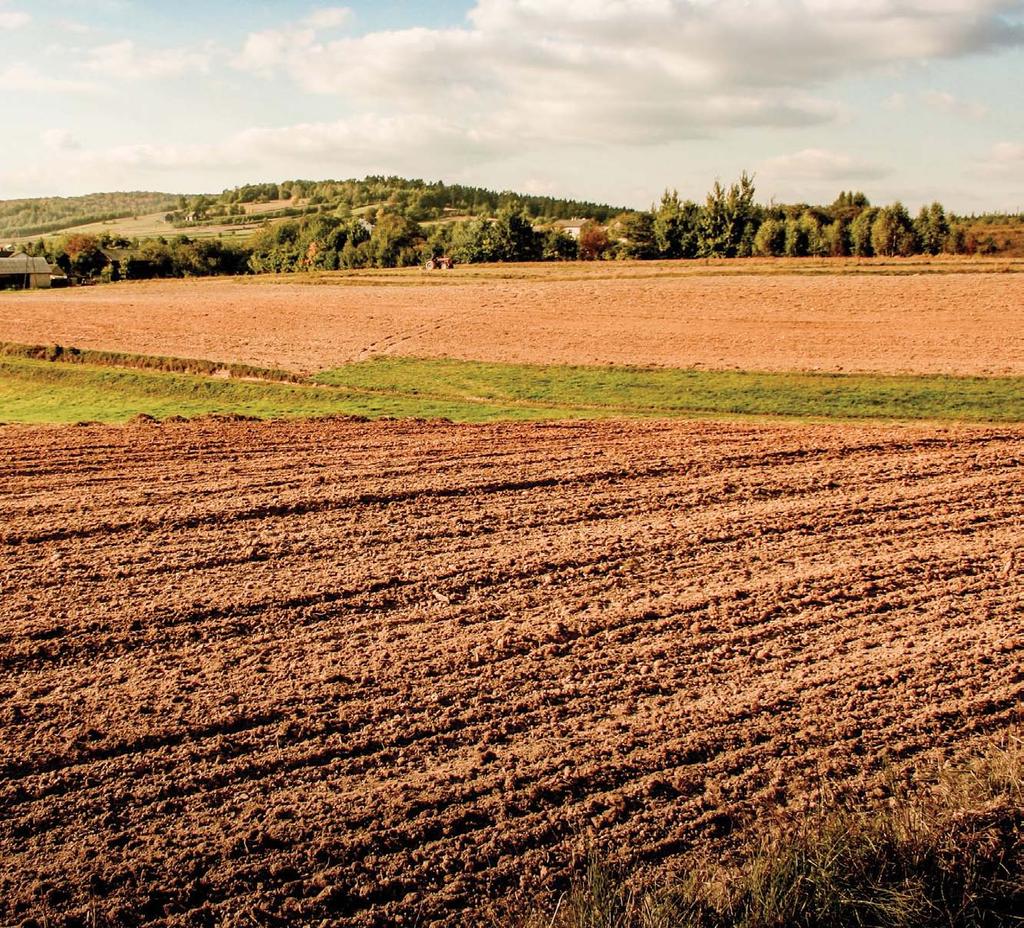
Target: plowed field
379,674
931,323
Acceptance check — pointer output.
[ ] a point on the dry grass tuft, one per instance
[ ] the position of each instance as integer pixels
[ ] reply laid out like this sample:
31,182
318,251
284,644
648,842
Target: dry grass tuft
119,359
951,856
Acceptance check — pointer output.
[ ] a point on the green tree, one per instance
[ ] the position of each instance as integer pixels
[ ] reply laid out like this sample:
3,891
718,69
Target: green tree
725,219
557,246
439,241
836,235
676,226
770,240
638,235
848,205
932,228
892,232
511,238
469,241
815,243
395,241
956,241
860,233
796,238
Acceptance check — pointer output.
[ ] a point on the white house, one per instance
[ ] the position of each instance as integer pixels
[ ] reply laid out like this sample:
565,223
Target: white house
571,227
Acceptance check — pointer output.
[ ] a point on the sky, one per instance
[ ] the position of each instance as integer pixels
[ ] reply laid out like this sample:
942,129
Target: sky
607,100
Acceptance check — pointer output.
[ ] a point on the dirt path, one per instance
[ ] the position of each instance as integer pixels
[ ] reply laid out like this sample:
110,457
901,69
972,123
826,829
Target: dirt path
357,673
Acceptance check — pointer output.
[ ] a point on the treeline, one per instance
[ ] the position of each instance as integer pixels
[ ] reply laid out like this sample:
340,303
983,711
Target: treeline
109,258
41,215
728,224
328,243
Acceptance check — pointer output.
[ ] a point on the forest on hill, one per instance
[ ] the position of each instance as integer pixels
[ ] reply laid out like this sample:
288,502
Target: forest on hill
416,199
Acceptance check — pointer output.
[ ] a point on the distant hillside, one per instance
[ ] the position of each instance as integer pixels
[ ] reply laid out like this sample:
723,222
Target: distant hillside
21,218
240,210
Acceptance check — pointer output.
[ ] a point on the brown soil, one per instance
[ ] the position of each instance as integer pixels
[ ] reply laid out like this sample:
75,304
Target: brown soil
963,323
376,674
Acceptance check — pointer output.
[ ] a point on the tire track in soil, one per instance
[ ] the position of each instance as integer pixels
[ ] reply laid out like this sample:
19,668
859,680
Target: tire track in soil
358,672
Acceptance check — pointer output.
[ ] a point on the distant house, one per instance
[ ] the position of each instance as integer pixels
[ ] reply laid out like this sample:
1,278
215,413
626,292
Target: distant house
22,272
571,227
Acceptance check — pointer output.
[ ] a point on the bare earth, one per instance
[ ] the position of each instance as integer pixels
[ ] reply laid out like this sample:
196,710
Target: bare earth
963,323
294,672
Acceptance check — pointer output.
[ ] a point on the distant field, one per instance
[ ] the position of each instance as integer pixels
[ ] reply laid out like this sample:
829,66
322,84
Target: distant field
878,317
153,225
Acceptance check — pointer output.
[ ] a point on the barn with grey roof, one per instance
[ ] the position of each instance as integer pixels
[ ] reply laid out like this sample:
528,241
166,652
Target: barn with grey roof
23,272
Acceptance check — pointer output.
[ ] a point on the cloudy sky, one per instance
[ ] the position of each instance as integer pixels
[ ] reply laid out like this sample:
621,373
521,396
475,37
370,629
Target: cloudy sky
612,100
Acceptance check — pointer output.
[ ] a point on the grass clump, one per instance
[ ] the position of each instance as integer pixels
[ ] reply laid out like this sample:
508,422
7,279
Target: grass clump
949,857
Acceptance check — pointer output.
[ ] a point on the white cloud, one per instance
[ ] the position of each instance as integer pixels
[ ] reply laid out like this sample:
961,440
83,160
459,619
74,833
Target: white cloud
75,27
273,48
818,164
59,140
652,71
947,103
604,93
330,17
359,144
23,77
1005,159
13,19
125,61
263,52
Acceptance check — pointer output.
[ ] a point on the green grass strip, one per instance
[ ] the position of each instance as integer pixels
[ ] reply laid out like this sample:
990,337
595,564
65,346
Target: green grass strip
674,392
466,391
43,392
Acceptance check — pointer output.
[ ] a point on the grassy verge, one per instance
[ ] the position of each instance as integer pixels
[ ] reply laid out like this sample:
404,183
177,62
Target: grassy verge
59,385
42,392
674,392
952,856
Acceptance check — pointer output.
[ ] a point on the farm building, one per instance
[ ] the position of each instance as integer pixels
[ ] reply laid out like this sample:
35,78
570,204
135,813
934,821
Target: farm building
571,227
22,272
